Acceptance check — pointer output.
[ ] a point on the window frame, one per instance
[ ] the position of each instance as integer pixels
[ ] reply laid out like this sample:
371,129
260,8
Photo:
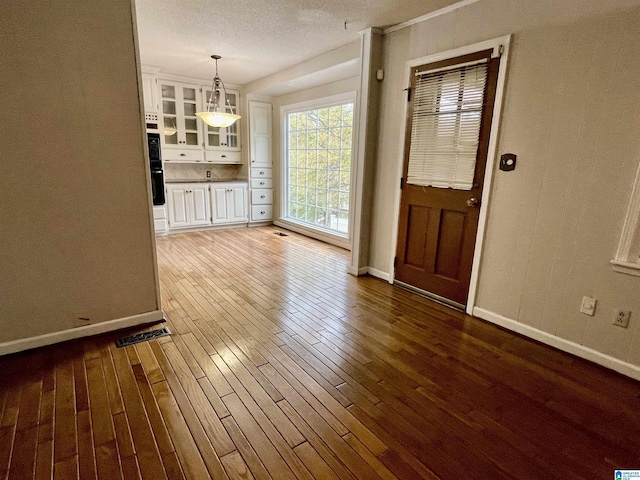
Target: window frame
627,258
315,231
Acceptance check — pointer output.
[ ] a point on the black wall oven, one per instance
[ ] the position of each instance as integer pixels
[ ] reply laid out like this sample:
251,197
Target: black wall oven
155,163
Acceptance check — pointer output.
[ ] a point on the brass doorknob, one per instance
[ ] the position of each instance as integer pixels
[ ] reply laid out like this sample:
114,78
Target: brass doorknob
472,202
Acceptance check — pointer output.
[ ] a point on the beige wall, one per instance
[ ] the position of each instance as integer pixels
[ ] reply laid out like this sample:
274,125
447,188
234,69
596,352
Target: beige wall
571,114
75,228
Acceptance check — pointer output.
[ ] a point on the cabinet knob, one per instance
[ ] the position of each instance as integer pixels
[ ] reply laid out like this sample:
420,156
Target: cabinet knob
261,173
261,196
224,156
262,213
183,154
261,183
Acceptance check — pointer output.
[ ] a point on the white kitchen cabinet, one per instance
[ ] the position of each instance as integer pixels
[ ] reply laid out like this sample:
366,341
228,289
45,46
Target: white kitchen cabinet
260,172
179,103
228,203
219,139
149,93
260,132
188,205
160,219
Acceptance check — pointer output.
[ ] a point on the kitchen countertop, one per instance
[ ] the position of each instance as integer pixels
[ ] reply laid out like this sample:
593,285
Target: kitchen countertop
206,181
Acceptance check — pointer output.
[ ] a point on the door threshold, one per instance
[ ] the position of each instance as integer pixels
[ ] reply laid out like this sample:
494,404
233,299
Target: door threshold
431,296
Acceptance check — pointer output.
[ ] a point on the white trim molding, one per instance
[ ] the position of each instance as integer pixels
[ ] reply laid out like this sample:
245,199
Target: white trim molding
573,348
427,16
22,344
627,259
495,43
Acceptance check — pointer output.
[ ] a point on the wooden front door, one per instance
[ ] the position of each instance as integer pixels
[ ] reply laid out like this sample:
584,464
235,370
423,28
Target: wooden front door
447,139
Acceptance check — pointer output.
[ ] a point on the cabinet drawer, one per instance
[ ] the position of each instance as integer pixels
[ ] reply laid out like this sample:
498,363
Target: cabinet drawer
160,225
261,213
262,197
159,212
261,183
222,157
182,155
261,173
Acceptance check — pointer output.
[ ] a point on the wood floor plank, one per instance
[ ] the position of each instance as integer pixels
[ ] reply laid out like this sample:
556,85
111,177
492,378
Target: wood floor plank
67,468
259,441
188,415
44,461
86,452
314,462
248,453
23,460
144,441
65,439
186,449
235,467
207,416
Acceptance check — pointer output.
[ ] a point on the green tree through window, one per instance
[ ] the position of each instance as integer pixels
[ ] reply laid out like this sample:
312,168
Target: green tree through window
319,166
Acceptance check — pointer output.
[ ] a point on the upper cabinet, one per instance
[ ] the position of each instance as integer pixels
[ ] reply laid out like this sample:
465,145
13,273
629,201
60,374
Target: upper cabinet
179,103
149,93
260,134
223,138
186,137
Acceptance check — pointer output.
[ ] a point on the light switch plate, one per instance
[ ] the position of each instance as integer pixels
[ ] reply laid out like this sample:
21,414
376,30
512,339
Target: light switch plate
588,306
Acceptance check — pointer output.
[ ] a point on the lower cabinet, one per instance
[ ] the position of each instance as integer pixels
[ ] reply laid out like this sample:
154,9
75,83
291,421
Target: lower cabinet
203,204
188,205
160,219
229,203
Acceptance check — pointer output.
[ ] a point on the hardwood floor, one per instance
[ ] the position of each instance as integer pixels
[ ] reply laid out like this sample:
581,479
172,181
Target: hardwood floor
282,366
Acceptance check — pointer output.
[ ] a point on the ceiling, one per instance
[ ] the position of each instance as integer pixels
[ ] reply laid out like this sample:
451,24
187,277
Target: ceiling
257,38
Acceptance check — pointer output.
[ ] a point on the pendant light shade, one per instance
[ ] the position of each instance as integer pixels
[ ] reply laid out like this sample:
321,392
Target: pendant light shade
218,119
216,114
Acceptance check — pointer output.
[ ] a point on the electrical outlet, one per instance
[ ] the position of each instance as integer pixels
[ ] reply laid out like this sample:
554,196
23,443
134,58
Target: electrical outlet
588,306
621,318
208,173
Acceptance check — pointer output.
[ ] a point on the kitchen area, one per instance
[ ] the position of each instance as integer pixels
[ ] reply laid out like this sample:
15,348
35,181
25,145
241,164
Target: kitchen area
206,177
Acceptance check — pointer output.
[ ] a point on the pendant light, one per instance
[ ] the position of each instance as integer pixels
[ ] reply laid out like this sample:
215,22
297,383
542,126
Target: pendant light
216,116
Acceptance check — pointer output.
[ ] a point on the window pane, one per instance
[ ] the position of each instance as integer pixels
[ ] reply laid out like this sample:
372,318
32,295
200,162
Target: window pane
319,143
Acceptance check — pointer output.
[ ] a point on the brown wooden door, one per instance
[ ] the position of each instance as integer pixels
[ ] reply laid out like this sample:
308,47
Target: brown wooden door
438,226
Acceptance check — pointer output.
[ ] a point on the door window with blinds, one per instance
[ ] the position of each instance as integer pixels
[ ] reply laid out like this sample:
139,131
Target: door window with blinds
445,125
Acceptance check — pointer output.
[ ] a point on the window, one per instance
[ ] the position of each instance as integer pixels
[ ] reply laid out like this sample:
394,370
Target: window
627,258
318,153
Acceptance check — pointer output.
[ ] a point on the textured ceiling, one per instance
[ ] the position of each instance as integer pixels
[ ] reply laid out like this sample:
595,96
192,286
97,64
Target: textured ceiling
257,38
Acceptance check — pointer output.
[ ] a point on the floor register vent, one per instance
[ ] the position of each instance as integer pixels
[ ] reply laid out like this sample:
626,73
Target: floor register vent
142,337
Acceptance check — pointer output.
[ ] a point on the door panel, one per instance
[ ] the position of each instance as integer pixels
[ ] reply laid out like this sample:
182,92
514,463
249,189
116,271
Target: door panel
448,255
437,226
200,198
417,228
178,216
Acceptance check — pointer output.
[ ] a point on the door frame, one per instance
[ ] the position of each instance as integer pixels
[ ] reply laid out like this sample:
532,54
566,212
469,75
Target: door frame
495,43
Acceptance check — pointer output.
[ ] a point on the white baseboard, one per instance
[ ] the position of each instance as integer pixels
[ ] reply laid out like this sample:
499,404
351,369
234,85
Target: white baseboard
22,344
357,272
576,349
317,234
374,272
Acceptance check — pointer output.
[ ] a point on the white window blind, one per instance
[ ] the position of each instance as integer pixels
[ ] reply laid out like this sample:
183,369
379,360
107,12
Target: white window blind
447,111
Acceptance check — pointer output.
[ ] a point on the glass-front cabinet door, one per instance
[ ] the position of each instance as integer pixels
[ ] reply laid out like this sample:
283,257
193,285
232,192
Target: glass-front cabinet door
180,124
223,138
